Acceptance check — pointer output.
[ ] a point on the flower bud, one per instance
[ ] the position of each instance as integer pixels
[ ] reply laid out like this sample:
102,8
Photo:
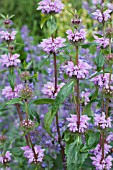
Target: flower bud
109,59
75,21
109,32
108,91
27,125
7,22
2,139
24,75
26,93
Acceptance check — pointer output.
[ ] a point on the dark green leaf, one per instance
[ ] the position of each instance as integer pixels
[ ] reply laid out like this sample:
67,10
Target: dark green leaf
99,60
65,91
43,101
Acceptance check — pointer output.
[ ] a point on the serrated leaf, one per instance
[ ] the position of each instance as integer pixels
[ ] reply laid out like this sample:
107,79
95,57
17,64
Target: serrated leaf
99,60
75,158
43,101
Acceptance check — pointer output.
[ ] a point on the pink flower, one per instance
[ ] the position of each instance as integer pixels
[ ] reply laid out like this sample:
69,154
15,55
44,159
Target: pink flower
49,89
80,71
101,121
73,125
34,158
50,6
52,45
102,42
98,150
76,36
6,158
102,80
10,94
6,36
8,61
109,137
99,164
102,16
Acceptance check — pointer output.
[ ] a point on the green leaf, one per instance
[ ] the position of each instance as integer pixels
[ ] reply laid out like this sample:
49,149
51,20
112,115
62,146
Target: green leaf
87,109
15,101
92,140
51,24
88,45
65,91
11,16
3,16
48,118
98,35
44,19
75,158
99,60
11,77
43,101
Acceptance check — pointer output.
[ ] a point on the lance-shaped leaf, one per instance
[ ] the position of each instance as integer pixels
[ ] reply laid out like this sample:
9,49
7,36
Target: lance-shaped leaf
65,91
43,101
15,101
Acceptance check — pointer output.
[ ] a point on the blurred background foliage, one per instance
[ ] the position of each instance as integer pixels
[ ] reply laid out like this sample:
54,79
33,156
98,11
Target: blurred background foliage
26,14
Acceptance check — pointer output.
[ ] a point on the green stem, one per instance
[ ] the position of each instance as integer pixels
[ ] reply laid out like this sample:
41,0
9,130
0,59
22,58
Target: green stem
26,109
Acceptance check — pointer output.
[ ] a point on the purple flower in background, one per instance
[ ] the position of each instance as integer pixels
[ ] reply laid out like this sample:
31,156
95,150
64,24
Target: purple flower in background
49,89
101,121
96,2
73,125
34,158
6,158
85,97
50,6
102,16
52,45
102,42
100,164
10,60
6,36
80,71
10,94
76,36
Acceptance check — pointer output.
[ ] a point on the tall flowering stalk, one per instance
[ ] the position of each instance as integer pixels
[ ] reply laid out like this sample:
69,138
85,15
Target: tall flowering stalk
102,16
51,46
